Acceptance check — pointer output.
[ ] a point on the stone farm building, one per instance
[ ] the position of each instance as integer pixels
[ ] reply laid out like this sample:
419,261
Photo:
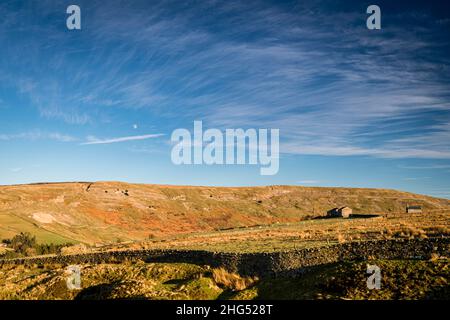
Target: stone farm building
413,209
342,212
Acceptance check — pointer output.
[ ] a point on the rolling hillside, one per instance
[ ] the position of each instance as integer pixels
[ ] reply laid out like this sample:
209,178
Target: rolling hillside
105,212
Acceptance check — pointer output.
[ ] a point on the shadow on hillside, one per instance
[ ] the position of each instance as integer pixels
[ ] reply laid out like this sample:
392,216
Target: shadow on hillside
441,293
352,216
103,291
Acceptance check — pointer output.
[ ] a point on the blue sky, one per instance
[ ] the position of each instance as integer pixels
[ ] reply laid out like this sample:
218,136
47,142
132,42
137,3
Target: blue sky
355,107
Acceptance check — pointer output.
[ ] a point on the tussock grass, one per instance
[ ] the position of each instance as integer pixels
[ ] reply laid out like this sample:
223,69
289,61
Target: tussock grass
232,281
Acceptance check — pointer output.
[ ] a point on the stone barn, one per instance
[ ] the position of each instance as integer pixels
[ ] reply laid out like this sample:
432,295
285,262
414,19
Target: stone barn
413,209
342,212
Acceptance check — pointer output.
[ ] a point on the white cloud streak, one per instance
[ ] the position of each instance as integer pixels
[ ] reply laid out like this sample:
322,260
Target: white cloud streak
93,140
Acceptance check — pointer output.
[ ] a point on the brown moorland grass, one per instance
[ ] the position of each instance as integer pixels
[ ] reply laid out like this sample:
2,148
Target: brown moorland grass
304,234
232,281
110,212
310,233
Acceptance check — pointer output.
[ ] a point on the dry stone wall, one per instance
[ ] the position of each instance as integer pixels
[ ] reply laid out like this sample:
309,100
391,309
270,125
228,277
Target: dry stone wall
264,264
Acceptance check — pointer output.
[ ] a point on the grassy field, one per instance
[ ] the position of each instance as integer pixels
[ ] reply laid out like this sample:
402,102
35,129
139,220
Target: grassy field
288,236
400,280
280,237
11,224
307,234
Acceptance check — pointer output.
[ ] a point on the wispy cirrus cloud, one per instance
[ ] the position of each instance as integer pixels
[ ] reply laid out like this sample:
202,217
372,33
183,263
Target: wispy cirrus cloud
416,178
426,167
94,140
314,71
38,135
